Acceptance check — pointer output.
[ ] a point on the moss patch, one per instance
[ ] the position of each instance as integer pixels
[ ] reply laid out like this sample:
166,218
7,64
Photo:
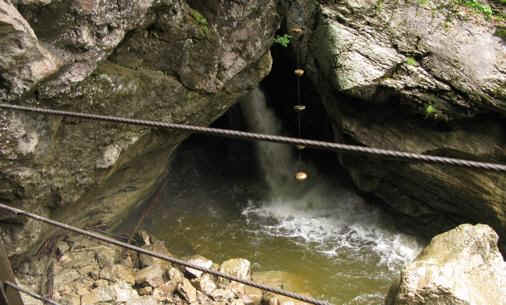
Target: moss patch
201,21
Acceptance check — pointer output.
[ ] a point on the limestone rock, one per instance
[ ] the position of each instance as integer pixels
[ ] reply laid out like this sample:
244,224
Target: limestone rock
152,276
237,267
200,261
175,275
24,62
206,283
158,247
187,291
406,75
462,267
178,64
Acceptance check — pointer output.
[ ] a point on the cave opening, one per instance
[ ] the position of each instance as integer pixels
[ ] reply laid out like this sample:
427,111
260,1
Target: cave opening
218,201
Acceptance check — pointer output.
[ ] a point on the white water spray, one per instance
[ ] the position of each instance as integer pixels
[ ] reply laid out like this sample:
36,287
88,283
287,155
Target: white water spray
318,211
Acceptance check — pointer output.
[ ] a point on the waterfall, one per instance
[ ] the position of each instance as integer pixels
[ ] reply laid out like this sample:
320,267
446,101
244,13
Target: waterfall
276,160
320,211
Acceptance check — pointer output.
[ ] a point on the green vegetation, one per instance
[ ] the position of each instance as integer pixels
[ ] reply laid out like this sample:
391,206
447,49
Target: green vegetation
431,112
201,21
485,9
411,61
500,32
283,40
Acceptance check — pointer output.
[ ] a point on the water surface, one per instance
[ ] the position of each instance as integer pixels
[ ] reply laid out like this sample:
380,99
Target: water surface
217,204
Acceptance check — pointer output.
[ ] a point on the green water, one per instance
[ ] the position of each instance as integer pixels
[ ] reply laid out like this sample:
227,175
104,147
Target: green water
337,247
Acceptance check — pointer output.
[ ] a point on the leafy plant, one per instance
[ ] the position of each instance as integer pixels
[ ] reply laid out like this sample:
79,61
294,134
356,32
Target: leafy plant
283,40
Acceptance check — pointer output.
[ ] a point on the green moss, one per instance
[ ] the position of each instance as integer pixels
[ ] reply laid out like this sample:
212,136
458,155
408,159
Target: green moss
201,21
411,61
501,32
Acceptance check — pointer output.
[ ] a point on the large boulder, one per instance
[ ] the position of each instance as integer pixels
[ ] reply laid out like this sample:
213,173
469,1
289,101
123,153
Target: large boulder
421,76
24,62
460,267
158,60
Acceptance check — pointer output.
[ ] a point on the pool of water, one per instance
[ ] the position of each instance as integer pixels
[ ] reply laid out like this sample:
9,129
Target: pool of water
216,204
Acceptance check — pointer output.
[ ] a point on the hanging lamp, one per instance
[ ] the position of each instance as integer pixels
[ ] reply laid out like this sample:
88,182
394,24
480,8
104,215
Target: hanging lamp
300,173
298,72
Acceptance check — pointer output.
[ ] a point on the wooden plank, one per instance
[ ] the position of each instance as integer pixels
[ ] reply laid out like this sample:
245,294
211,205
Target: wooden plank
8,295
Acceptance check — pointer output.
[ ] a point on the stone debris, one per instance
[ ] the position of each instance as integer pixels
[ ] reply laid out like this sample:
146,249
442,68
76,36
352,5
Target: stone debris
87,273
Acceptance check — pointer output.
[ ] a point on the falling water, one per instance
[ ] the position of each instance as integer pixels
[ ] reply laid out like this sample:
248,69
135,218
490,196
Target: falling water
343,249
318,211
276,160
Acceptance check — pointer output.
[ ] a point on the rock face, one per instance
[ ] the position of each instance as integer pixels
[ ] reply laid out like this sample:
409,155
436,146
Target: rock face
459,267
426,77
24,61
161,60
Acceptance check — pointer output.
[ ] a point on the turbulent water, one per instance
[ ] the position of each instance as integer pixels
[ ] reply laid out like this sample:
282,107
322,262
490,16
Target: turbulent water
216,204
333,219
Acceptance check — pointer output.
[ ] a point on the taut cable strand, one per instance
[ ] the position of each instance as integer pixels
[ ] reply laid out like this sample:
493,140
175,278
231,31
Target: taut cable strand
173,260
344,148
32,294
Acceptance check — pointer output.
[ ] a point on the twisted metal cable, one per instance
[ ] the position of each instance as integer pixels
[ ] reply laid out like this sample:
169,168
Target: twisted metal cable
344,148
32,294
173,260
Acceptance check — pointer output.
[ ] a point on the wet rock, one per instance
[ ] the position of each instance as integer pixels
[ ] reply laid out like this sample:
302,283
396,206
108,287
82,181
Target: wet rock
158,247
152,276
461,266
200,261
237,267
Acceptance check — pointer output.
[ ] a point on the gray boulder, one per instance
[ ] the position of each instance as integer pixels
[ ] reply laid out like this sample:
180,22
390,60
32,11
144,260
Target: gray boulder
460,267
24,62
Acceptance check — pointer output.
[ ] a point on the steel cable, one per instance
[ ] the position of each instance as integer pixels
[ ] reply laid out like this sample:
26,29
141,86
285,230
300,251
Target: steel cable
162,257
32,294
344,148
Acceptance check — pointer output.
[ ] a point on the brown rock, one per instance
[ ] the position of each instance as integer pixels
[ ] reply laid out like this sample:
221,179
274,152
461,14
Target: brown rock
152,276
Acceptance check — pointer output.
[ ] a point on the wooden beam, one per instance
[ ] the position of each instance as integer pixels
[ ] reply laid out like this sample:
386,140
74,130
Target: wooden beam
8,295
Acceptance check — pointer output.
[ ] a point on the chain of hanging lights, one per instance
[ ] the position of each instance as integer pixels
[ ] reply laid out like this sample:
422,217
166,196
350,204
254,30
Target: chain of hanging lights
300,174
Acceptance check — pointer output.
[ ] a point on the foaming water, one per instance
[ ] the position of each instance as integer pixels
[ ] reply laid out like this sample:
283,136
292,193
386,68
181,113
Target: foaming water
332,219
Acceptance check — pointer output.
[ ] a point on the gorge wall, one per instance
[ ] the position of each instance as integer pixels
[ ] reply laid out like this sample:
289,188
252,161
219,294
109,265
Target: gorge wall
419,76
160,60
